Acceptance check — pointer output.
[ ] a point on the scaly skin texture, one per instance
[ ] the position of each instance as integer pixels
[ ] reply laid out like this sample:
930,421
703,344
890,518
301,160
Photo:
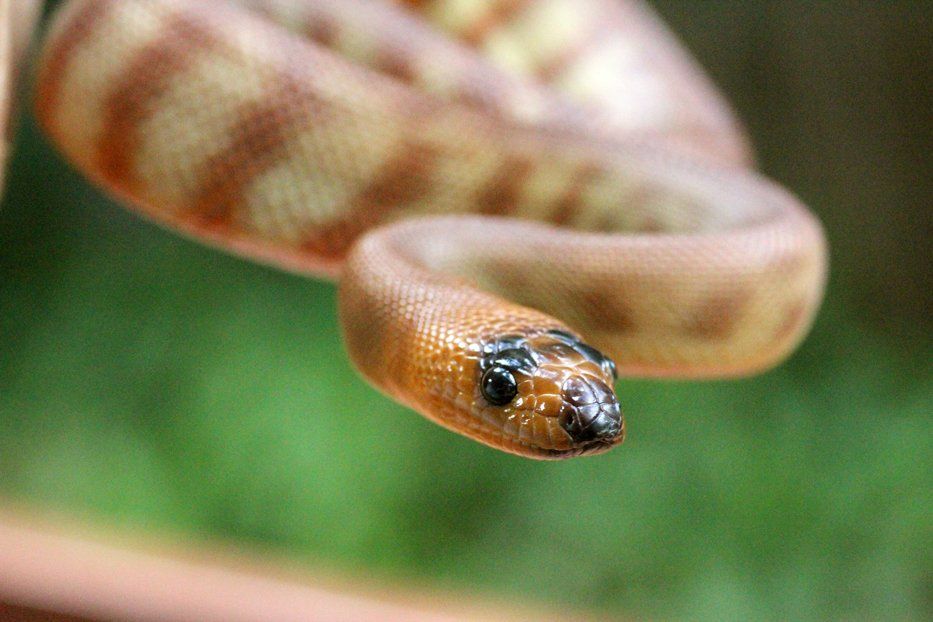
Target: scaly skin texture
407,148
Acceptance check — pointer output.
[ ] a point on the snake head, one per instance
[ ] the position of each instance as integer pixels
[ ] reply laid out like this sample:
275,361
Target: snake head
551,392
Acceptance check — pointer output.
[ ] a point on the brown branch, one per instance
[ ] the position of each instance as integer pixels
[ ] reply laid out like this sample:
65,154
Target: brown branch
51,574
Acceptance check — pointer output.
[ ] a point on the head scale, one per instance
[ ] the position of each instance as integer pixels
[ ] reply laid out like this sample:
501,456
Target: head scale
554,388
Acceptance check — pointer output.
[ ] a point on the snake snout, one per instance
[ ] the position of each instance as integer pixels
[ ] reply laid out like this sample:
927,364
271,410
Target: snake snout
591,412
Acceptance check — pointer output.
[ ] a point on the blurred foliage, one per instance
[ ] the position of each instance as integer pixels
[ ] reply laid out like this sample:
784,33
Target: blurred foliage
151,382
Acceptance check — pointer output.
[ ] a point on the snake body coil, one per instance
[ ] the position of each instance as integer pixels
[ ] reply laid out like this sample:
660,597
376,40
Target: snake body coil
470,171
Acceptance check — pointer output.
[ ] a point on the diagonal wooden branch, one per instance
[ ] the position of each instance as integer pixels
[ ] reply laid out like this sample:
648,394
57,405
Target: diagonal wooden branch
58,574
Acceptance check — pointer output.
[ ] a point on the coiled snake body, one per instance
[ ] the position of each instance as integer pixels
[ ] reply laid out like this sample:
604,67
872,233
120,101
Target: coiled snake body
512,193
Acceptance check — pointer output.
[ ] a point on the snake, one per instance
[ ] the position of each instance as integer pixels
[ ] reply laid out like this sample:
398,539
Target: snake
521,201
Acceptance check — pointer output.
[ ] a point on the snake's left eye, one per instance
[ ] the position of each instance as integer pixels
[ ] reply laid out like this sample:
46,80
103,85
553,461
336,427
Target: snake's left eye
498,386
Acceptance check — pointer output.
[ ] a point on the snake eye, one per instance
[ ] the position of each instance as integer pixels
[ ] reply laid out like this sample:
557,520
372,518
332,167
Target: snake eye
498,386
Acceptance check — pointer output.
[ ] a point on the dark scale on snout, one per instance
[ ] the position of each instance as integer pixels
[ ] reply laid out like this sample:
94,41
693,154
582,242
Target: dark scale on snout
591,411
553,374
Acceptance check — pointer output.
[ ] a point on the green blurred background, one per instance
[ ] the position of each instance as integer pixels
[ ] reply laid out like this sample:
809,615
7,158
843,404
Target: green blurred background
148,382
